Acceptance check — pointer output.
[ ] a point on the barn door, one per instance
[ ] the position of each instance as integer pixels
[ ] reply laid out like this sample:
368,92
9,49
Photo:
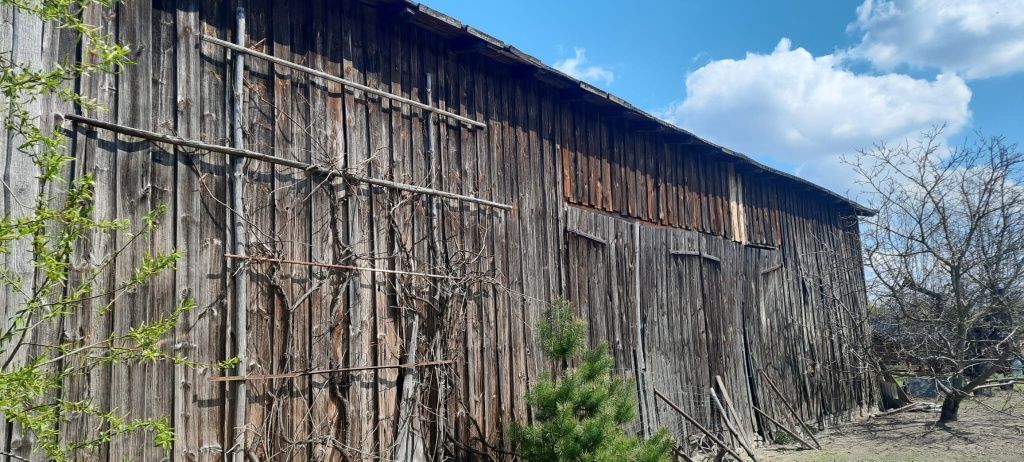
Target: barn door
674,324
760,332
693,298
590,278
673,306
601,284
600,277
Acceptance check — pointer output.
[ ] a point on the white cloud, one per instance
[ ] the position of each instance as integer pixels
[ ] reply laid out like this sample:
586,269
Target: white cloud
974,38
805,111
578,68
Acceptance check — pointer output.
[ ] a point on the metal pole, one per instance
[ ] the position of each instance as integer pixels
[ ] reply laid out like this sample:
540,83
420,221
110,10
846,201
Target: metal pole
700,427
286,375
346,82
308,168
783,427
239,243
729,425
432,157
334,266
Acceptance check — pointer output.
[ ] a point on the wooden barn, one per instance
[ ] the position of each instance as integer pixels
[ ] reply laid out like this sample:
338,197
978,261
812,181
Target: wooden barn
375,202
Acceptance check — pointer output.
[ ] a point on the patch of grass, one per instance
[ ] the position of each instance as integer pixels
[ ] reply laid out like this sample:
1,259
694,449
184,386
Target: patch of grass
826,455
781,437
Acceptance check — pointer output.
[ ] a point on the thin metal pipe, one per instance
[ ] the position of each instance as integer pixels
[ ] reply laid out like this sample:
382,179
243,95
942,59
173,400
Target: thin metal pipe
241,279
335,266
200,145
700,427
346,82
730,426
783,427
432,158
288,375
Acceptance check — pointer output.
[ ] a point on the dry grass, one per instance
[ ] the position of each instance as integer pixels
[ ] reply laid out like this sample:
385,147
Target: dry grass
990,429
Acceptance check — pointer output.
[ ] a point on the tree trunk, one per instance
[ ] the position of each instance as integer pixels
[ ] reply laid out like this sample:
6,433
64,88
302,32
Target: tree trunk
893,396
951,404
950,408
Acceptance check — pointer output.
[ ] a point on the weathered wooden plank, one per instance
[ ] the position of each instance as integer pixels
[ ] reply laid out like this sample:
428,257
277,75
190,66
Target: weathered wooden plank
497,110
615,165
133,176
671,186
387,318
485,234
518,369
57,45
199,412
538,286
9,298
421,220
661,161
163,168
472,244
620,172
84,324
554,203
288,283
329,304
362,388
576,157
607,184
568,171
408,444
52,47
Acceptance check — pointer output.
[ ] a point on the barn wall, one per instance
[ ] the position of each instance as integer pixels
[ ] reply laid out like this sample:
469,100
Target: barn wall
626,169
540,151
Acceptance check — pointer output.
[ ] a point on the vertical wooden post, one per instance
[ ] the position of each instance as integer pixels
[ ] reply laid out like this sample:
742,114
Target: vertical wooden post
731,426
434,245
641,360
732,409
241,279
409,445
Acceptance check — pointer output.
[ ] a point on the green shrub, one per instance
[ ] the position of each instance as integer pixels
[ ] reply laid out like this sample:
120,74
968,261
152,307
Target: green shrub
578,416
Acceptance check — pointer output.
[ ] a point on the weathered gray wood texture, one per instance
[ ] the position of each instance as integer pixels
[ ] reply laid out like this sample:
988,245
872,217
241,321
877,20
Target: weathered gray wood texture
738,270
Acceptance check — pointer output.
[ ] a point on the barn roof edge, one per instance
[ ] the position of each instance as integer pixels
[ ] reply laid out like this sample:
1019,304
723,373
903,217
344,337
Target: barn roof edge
450,27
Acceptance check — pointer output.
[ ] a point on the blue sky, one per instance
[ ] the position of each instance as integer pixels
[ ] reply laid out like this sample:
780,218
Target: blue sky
795,84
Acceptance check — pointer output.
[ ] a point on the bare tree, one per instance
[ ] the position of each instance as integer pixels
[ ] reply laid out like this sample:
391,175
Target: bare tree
945,257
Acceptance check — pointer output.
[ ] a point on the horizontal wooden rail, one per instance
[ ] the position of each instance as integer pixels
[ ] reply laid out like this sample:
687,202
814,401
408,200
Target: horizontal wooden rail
288,375
196,144
587,236
335,266
346,82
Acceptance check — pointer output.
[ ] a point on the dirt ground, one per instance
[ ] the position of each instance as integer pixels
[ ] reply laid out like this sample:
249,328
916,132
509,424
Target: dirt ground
991,429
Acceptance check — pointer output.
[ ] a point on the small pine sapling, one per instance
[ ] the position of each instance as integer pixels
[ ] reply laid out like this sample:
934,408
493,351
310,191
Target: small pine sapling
579,414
